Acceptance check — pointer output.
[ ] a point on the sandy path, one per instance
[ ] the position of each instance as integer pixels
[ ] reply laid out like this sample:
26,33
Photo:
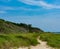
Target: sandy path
42,45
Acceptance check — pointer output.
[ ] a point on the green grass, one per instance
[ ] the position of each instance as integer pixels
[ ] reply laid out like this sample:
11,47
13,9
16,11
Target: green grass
53,40
16,40
27,39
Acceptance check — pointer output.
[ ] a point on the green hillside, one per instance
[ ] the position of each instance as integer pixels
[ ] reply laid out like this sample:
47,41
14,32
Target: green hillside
10,27
21,34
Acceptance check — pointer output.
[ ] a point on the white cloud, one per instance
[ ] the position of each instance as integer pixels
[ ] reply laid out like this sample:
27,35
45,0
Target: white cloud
16,8
2,12
49,6
40,3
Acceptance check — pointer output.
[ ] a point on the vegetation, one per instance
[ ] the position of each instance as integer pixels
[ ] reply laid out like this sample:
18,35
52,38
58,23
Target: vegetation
52,39
16,40
16,35
7,26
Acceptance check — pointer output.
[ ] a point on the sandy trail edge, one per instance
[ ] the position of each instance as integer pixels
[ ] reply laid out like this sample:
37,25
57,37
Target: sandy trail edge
42,45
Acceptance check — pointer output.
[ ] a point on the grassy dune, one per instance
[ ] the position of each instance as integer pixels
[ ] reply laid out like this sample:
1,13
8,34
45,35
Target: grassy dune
16,40
53,40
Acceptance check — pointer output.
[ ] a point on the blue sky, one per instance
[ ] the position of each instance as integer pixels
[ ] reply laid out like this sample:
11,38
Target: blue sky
44,14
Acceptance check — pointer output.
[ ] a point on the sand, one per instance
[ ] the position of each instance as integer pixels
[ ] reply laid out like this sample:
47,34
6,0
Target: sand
42,45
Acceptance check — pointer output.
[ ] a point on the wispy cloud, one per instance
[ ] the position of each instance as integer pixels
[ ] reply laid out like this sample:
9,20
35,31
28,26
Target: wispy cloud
3,9
17,8
5,0
6,8
40,3
48,6
2,12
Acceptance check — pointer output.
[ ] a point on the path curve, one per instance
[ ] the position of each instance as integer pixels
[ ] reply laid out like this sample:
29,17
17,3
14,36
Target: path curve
42,45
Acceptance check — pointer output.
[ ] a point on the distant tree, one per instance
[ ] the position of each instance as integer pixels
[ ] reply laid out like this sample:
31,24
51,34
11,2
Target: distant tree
2,20
30,27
